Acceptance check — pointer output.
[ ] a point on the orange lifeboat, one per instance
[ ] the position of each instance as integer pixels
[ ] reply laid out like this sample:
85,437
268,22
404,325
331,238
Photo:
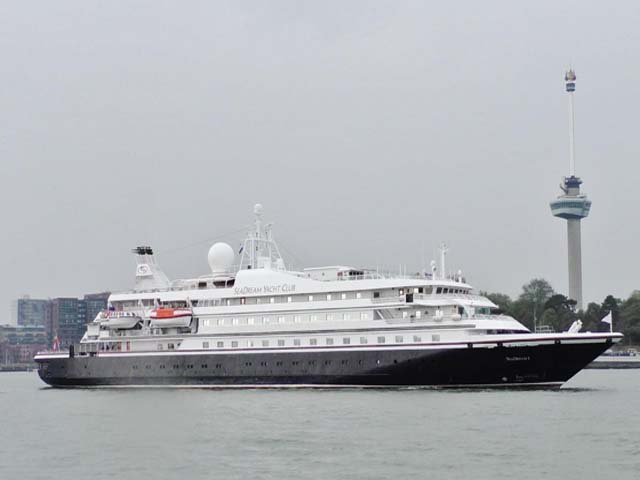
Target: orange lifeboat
171,317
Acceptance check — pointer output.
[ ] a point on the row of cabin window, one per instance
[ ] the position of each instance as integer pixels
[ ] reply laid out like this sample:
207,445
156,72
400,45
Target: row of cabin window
281,319
317,297
311,342
278,299
450,290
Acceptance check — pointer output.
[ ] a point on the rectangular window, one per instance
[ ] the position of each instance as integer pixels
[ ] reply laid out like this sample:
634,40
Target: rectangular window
288,299
346,341
228,303
399,339
250,343
265,343
234,344
297,318
364,316
358,294
346,316
311,298
313,341
363,340
328,296
343,296
281,319
418,313
417,338
160,346
170,346
251,320
272,300
314,318
234,321
296,342
329,341
205,344
376,294
380,339
435,337
405,314
220,321
265,320
220,344
330,317
281,342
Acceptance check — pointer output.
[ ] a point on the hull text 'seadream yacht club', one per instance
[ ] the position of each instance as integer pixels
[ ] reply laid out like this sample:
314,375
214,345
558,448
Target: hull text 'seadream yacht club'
263,325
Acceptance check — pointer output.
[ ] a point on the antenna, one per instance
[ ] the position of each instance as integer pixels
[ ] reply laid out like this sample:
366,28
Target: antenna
570,84
443,254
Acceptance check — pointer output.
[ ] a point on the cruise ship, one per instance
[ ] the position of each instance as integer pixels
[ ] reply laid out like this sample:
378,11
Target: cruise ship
252,322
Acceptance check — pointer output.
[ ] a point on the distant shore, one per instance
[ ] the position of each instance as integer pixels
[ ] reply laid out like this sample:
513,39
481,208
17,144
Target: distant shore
18,367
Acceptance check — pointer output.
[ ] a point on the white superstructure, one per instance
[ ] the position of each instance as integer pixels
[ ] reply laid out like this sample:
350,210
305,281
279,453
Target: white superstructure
262,305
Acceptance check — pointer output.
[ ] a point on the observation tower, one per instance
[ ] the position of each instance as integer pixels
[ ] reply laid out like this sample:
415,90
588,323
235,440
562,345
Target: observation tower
572,206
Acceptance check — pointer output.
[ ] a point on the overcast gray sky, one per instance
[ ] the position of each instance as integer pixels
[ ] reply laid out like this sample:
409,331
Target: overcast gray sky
369,130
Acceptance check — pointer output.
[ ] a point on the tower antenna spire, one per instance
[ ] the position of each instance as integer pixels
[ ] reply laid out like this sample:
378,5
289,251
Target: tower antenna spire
570,85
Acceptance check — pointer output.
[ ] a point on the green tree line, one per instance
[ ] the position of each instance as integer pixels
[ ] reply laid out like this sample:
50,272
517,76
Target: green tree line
540,306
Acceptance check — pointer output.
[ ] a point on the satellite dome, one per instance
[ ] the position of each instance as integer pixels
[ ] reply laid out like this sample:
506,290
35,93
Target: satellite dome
220,258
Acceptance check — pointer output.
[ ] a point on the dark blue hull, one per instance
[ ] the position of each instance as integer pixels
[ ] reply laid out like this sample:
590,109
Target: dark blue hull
549,364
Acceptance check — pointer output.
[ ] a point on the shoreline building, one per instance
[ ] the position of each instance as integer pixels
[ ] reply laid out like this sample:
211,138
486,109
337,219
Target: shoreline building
70,316
31,312
572,206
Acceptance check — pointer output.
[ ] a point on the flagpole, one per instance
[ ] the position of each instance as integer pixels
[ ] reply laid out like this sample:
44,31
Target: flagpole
611,324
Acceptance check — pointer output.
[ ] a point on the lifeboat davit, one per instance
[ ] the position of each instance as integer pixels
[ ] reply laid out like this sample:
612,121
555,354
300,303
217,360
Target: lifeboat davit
171,317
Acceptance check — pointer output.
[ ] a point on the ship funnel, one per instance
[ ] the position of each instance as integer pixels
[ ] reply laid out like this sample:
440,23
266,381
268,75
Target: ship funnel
149,276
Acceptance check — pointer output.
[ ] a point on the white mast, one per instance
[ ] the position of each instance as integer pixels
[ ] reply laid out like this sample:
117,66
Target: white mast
259,249
443,254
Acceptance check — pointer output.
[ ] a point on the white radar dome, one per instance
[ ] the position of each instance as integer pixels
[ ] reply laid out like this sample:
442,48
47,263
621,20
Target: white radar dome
220,258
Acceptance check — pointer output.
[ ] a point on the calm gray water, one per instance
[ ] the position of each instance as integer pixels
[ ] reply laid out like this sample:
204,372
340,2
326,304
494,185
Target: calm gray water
589,429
